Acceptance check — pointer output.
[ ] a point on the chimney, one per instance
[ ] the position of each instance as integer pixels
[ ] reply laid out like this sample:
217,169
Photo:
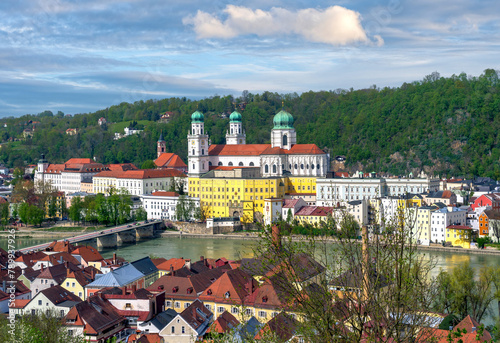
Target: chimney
41,267
365,265
114,258
171,270
92,274
66,264
187,263
124,290
276,237
250,287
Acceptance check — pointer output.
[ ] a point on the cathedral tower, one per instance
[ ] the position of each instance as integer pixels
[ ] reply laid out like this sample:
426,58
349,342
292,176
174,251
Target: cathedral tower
197,146
283,134
235,134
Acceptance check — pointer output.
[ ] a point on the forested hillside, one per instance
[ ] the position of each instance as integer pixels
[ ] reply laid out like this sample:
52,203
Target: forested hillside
446,126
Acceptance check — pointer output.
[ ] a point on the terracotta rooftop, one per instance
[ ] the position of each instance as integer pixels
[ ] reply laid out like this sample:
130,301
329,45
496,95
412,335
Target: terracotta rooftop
262,149
165,194
224,323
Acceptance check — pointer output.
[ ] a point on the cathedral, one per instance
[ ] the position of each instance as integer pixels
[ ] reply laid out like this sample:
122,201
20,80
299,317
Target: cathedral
283,157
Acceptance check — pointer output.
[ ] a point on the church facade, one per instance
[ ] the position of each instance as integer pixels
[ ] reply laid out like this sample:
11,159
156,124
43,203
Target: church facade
283,157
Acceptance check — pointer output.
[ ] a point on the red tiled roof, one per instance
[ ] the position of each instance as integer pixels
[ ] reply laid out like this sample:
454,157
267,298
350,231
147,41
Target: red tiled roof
262,149
232,287
79,161
164,158
225,322
88,254
322,211
471,325
141,174
176,162
165,194
459,227
122,166
21,303
176,263
142,315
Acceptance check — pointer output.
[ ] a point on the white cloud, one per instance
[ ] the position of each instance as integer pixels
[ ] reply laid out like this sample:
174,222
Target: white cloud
334,25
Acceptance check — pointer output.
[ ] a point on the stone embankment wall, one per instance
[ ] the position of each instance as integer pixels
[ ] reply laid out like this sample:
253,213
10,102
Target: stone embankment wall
201,228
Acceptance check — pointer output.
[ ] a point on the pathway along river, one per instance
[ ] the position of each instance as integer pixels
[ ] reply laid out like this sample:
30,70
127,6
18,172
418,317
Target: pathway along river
193,248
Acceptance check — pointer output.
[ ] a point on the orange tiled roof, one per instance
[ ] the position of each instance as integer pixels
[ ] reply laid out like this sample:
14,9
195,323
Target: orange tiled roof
176,263
176,162
79,161
164,158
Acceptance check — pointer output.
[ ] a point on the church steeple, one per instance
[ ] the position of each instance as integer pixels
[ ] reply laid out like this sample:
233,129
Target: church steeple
197,146
283,134
161,145
235,134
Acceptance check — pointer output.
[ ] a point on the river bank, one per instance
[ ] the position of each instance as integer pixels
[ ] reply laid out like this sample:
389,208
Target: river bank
255,236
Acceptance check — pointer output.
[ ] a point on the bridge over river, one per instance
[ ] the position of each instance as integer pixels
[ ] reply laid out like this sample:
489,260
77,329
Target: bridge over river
114,236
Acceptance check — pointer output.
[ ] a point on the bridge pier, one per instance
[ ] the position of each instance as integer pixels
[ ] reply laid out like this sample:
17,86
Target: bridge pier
107,241
144,232
125,237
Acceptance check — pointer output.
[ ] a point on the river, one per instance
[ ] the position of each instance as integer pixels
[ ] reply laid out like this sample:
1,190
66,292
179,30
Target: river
233,249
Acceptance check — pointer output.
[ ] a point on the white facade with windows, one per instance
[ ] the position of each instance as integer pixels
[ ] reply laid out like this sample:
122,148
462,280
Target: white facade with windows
444,217
331,191
162,205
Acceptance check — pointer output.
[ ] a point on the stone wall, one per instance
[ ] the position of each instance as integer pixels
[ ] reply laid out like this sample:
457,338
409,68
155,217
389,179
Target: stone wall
201,229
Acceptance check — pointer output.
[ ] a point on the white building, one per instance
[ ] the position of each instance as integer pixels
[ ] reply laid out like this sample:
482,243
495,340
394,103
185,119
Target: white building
444,217
336,191
137,182
281,157
67,177
162,205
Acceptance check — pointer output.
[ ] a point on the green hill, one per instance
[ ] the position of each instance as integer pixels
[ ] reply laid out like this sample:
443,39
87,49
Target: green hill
446,126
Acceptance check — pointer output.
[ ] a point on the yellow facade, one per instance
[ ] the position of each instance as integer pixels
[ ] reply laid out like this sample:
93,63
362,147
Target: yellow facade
459,237
313,220
220,196
422,224
74,287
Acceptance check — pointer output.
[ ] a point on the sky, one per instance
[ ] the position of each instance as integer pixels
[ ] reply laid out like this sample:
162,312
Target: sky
81,56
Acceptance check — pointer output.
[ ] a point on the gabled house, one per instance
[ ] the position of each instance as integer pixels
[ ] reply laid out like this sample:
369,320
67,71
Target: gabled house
181,291
97,319
137,305
228,292
156,324
188,326
75,282
54,299
51,276
490,199
21,293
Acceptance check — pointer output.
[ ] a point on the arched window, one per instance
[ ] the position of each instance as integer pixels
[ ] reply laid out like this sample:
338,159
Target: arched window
295,165
240,164
230,164
209,163
231,130
220,163
317,166
266,169
274,168
312,166
202,131
192,152
239,130
282,167
290,167
203,151
285,140
251,164
307,166
302,166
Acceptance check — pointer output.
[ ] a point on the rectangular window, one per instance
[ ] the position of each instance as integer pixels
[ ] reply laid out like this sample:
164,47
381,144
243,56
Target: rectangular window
262,314
221,309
